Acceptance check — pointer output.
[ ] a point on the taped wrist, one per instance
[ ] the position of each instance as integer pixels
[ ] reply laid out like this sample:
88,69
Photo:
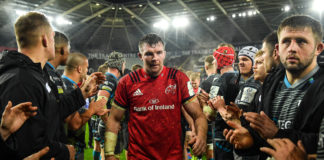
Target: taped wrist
208,110
110,143
102,97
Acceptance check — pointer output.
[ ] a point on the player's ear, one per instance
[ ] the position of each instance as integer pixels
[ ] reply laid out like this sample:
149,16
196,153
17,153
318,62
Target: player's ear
140,55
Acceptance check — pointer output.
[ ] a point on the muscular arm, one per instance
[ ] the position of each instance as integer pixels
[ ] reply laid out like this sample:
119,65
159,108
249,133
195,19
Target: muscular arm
112,128
114,119
194,110
77,120
188,119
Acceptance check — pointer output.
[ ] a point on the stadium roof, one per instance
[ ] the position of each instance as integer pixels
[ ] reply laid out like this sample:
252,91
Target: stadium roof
119,24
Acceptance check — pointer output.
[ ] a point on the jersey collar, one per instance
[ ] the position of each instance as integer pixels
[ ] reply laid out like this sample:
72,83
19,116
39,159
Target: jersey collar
69,79
50,65
146,76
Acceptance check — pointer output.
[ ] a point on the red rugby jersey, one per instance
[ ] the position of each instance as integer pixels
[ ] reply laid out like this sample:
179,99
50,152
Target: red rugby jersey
154,103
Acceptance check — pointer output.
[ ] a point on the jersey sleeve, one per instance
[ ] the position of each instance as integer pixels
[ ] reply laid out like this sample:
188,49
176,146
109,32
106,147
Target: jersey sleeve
187,92
110,84
205,85
121,99
215,88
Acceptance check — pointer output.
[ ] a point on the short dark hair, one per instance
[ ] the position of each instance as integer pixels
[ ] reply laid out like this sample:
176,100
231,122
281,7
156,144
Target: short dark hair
302,21
150,39
74,60
60,39
271,40
29,27
209,60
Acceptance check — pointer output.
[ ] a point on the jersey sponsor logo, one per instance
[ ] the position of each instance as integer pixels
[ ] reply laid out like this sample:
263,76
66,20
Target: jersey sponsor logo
283,124
190,89
213,91
171,89
137,92
154,108
154,101
248,94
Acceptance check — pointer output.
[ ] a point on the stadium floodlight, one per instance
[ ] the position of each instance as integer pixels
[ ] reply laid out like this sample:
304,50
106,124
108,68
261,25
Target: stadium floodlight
240,14
180,22
243,14
318,5
287,8
20,12
233,15
250,13
212,18
254,12
162,24
62,21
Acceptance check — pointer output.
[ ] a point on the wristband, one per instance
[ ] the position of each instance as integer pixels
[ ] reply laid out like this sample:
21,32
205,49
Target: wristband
102,97
207,109
110,143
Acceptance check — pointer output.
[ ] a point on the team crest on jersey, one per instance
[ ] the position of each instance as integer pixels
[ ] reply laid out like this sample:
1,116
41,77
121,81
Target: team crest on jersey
171,89
190,89
154,101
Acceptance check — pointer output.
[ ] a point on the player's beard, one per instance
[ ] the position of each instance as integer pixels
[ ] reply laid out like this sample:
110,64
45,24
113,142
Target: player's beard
300,66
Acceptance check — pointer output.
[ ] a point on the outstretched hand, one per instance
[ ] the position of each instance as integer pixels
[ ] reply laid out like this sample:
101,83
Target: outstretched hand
239,137
39,154
284,149
90,86
14,117
262,124
203,97
98,107
228,112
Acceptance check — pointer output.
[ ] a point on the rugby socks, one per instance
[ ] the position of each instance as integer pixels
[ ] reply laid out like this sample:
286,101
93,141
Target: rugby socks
96,155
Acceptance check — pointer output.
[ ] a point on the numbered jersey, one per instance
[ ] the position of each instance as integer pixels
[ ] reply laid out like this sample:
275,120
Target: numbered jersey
155,107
